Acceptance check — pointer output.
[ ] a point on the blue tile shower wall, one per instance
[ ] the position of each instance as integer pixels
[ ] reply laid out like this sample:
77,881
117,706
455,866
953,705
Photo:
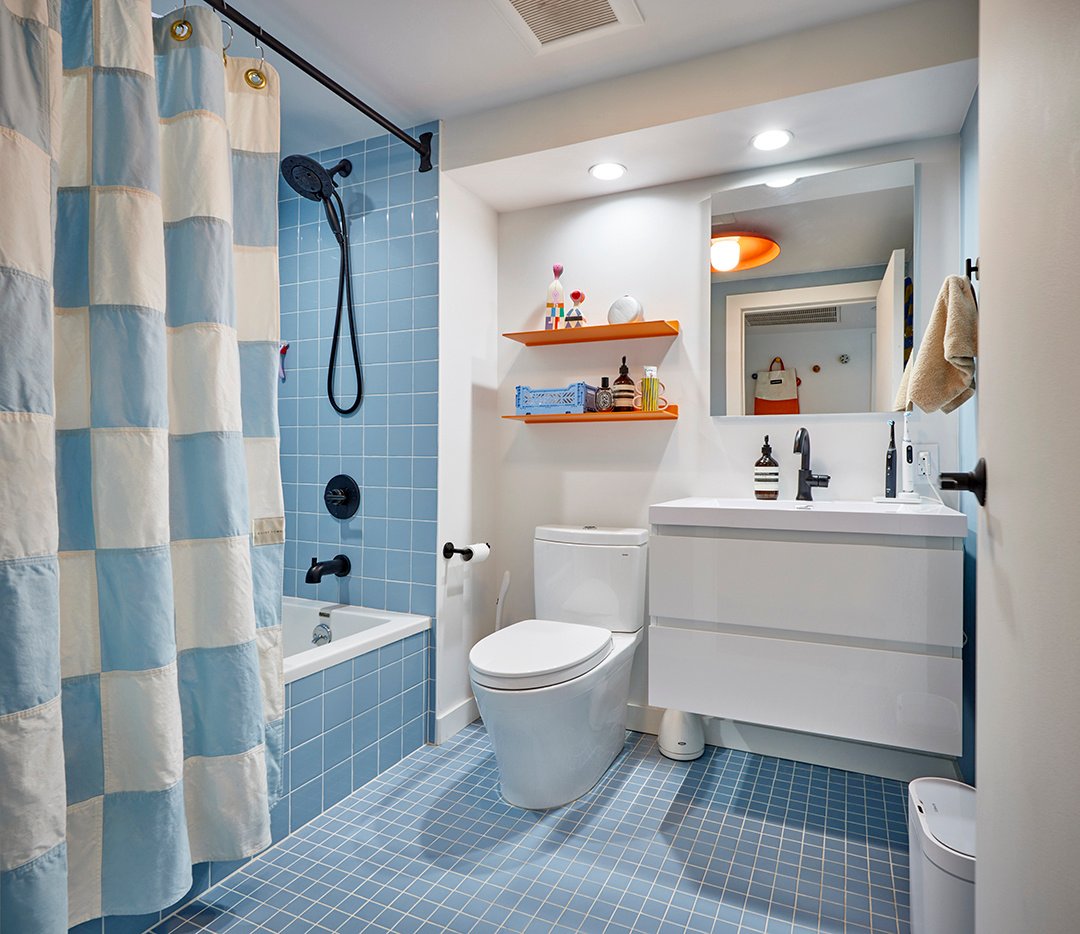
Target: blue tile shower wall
389,445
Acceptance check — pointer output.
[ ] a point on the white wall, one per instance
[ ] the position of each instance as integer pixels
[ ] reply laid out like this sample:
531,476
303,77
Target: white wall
653,244
467,426
1028,732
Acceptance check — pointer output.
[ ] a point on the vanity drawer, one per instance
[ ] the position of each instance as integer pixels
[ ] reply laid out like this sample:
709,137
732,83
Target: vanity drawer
902,699
868,588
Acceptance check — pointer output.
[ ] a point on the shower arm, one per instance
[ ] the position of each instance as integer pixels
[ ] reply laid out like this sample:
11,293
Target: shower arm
421,145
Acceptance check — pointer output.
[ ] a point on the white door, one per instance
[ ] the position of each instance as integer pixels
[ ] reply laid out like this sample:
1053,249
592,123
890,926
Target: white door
1028,685
889,336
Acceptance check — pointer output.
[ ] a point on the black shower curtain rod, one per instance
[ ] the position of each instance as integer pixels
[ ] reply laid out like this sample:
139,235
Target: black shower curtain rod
421,145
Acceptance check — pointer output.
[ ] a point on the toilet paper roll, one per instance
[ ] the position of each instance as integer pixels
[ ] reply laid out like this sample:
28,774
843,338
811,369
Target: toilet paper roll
481,551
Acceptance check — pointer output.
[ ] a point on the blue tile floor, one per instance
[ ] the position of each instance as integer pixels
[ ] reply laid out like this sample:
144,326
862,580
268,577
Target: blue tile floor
733,842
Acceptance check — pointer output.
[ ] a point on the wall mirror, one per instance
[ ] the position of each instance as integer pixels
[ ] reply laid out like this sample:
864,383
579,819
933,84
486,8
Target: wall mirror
818,325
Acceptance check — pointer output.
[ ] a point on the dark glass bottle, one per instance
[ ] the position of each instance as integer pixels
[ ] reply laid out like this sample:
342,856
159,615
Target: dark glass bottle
623,389
766,474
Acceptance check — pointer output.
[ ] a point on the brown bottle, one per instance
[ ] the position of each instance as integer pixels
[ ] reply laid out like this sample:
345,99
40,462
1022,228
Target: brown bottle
623,389
766,474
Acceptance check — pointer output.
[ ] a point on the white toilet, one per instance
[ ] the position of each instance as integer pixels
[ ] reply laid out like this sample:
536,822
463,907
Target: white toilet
553,690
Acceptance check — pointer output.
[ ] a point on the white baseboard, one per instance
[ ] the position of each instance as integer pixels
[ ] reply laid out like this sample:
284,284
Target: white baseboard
884,761
454,720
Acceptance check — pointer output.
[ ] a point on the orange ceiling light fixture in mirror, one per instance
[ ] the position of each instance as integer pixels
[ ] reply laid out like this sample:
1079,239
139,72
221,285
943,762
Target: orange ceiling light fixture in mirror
733,251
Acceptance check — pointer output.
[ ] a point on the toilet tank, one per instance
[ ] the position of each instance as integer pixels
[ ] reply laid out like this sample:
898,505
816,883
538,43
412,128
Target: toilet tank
593,576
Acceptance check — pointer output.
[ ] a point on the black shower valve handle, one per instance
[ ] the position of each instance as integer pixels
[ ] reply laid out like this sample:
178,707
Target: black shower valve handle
342,496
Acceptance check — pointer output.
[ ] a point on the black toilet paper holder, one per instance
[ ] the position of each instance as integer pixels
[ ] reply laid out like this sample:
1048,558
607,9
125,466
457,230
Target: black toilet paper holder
448,551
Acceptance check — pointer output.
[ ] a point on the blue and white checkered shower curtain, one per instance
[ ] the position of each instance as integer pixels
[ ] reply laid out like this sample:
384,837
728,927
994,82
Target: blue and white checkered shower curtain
141,515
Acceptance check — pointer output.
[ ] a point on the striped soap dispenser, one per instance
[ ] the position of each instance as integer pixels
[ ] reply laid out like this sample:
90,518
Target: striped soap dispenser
766,474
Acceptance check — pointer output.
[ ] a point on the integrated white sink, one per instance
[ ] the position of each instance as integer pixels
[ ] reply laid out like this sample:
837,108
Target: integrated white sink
925,519
841,619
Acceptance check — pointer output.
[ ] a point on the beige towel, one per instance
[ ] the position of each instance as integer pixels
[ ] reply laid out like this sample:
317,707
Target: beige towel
942,374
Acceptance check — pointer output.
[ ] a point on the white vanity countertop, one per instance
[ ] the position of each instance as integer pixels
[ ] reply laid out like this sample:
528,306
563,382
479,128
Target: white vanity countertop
924,519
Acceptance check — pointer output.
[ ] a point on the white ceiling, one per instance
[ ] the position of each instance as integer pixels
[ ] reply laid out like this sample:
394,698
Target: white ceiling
418,60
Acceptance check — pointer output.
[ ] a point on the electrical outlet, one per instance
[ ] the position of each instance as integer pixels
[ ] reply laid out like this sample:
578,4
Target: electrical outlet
926,461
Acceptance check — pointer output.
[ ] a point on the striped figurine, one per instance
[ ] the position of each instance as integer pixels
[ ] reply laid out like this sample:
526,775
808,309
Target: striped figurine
556,302
574,318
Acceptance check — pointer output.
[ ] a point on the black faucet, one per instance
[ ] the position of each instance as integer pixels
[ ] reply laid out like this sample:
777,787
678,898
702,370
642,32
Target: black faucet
807,478
339,565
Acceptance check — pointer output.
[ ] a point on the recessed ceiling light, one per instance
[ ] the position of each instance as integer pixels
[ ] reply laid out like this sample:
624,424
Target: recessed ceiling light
771,139
782,181
607,171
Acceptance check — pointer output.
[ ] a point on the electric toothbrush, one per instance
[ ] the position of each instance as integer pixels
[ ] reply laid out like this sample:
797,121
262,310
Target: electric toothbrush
907,461
890,463
907,492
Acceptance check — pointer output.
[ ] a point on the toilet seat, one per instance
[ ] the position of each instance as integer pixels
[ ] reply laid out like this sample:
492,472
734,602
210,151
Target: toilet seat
537,653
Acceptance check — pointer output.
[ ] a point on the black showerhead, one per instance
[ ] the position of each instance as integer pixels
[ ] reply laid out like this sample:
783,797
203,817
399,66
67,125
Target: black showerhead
306,177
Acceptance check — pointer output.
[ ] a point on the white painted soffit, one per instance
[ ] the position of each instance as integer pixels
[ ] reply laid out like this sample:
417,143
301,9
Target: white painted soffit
909,38
915,105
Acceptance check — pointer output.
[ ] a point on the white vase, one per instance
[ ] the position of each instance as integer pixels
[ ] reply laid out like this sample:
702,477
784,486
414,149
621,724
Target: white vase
624,310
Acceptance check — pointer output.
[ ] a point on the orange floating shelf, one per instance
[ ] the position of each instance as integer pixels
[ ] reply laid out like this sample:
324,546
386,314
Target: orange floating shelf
664,415
596,332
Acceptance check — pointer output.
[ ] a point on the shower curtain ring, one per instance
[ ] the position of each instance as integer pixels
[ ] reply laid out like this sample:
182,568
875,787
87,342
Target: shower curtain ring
256,77
181,29
228,45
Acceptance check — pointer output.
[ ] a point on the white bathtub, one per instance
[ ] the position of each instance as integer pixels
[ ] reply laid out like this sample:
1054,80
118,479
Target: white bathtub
355,630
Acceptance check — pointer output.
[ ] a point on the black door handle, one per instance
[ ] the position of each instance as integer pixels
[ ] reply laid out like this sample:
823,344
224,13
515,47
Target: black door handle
973,481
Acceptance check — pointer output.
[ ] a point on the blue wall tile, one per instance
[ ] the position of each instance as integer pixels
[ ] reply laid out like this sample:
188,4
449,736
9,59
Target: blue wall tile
393,220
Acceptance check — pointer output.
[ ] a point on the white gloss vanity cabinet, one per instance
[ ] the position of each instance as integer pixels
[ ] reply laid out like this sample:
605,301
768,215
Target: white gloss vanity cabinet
840,619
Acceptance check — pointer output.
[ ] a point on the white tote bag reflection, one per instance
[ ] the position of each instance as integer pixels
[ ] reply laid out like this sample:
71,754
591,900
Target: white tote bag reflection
777,391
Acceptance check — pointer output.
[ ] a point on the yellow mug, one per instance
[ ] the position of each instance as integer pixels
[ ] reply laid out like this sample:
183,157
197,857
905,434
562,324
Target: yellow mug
648,398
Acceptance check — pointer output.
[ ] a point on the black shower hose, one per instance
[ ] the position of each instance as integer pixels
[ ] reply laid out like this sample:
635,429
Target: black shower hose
340,227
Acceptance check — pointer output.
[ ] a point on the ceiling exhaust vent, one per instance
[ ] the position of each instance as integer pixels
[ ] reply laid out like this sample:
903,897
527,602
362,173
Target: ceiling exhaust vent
545,25
828,314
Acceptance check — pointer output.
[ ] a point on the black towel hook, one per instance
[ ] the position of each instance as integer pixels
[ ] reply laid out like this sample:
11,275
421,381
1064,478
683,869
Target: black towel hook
971,270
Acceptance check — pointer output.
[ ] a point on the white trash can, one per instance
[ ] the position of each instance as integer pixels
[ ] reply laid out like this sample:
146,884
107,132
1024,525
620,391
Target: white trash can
941,844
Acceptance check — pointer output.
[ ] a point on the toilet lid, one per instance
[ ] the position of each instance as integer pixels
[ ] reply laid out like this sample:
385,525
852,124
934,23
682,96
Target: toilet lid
537,653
